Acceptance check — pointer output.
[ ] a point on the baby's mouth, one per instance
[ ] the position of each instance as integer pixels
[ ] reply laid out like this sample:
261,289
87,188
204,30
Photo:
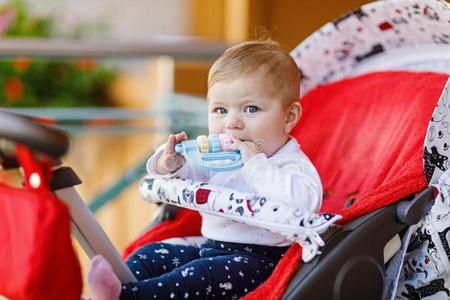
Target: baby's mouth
243,140
240,139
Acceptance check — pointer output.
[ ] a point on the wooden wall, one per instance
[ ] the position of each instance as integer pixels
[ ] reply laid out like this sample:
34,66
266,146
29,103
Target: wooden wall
232,21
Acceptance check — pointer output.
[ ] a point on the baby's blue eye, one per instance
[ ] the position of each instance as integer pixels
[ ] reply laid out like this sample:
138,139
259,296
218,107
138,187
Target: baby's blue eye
251,109
221,110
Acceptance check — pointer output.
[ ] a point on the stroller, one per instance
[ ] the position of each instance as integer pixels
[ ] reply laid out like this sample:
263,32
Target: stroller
371,116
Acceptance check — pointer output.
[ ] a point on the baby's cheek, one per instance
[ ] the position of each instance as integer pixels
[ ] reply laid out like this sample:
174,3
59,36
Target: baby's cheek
215,127
214,130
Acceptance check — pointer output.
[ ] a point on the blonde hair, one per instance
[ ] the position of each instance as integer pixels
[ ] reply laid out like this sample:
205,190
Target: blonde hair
249,57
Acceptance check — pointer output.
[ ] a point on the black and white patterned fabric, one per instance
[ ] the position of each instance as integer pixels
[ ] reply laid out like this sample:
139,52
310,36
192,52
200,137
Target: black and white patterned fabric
426,267
383,35
436,151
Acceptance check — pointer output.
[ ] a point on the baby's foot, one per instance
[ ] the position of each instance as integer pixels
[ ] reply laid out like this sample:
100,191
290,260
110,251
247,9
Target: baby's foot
102,283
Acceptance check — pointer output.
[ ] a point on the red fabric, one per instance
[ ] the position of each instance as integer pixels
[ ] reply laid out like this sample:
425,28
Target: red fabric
186,223
369,137
365,137
37,260
201,196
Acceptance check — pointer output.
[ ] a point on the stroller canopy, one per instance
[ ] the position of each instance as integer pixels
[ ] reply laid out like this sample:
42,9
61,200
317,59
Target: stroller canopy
382,35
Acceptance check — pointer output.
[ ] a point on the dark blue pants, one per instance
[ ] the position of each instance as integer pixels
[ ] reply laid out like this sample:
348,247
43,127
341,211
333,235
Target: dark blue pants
215,270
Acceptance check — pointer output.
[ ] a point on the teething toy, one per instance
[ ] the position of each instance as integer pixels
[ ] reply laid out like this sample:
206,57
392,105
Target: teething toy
211,152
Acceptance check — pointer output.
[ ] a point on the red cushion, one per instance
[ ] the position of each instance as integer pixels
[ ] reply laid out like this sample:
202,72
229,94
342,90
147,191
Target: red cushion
365,135
37,260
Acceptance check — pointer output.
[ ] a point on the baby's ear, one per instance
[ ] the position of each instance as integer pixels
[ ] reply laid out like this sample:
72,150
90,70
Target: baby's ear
293,115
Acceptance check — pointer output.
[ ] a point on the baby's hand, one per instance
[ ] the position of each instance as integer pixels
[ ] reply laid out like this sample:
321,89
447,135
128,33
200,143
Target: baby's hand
248,149
169,161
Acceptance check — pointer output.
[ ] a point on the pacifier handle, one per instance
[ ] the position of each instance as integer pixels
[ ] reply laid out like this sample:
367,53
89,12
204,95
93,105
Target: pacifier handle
179,148
214,160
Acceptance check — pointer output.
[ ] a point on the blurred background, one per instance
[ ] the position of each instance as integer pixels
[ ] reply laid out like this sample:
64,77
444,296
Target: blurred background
120,75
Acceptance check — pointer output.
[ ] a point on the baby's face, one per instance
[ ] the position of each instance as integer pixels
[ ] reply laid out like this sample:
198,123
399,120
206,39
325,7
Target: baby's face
246,108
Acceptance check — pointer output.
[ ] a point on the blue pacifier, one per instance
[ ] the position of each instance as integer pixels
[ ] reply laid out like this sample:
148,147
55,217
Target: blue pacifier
212,153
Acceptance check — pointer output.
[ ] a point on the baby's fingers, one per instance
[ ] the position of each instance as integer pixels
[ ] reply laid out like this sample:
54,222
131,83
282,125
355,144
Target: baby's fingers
182,136
170,145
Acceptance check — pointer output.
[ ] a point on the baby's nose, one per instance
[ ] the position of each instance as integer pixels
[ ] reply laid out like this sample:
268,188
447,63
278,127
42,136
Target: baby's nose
234,122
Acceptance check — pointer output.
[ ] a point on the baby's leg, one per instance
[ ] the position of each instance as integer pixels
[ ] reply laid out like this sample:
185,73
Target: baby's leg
155,259
216,275
149,261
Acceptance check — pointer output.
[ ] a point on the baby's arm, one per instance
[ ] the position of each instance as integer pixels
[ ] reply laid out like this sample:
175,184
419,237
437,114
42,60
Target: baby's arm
292,180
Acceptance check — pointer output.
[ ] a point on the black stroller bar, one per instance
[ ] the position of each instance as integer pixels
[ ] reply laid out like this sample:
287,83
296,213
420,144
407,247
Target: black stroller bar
24,130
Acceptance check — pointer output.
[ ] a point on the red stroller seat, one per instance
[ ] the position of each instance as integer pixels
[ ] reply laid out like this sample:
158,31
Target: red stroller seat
365,135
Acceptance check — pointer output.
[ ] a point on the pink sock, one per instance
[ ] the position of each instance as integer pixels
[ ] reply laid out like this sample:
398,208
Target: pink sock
102,283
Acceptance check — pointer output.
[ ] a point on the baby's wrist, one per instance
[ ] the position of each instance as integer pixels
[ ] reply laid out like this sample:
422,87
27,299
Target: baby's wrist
161,166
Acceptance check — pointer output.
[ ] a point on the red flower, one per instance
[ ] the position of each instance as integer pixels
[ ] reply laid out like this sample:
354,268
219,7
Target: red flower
13,89
22,63
85,64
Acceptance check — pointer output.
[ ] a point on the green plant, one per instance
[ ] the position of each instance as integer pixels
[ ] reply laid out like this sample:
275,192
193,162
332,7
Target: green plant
53,83
46,82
